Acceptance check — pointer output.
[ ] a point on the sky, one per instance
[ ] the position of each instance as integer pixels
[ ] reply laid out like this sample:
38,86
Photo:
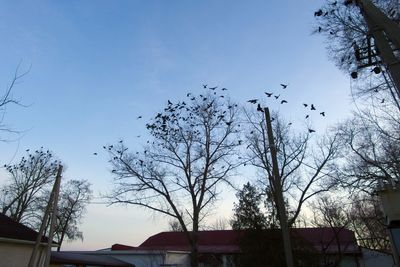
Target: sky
95,66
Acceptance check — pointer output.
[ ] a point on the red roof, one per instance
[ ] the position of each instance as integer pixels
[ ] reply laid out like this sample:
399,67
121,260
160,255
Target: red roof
223,241
14,230
330,239
327,240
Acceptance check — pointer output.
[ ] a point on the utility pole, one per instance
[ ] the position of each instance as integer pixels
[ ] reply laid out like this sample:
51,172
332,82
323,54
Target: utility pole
278,194
53,216
386,34
34,260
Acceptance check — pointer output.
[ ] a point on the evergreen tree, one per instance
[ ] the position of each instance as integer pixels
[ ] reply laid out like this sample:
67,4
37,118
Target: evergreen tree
247,213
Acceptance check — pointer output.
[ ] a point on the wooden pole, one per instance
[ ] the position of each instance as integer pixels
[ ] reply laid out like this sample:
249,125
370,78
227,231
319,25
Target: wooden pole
278,193
53,217
33,261
383,30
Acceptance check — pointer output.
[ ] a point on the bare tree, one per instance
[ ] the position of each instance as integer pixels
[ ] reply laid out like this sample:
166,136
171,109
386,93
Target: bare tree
217,224
304,169
371,151
29,179
175,226
331,212
361,214
25,195
352,47
180,171
7,99
368,222
75,195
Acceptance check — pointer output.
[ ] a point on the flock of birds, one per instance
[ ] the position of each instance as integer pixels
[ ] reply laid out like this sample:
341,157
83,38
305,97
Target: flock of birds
283,101
270,95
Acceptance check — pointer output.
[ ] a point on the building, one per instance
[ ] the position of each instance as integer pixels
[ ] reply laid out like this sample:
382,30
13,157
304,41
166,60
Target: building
17,242
327,246
221,248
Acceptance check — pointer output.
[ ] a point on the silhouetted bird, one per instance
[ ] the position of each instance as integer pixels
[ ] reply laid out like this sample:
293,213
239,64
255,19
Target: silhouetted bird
193,98
382,101
224,89
289,123
268,94
311,130
204,85
188,94
252,101
322,113
284,85
312,107
228,123
259,108
277,96
95,153
169,102
318,13
222,96
305,105
212,88
307,116
319,29
283,101
139,117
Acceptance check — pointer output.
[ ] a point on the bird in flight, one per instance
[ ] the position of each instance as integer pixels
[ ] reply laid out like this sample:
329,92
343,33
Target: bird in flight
259,108
305,105
212,88
277,96
268,94
95,153
311,130
283,101
252,101
284,85
139,117
204,86
224,89
307,116
322,113
312,107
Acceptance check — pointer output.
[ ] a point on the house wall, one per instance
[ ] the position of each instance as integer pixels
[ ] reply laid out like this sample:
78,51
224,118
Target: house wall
15,255
136,258
148,259
349,261
178,259
373,258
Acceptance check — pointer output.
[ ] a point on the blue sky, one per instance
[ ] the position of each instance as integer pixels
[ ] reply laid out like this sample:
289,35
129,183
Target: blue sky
97,65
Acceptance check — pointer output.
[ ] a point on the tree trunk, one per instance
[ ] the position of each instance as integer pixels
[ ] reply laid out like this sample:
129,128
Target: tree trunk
194,253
